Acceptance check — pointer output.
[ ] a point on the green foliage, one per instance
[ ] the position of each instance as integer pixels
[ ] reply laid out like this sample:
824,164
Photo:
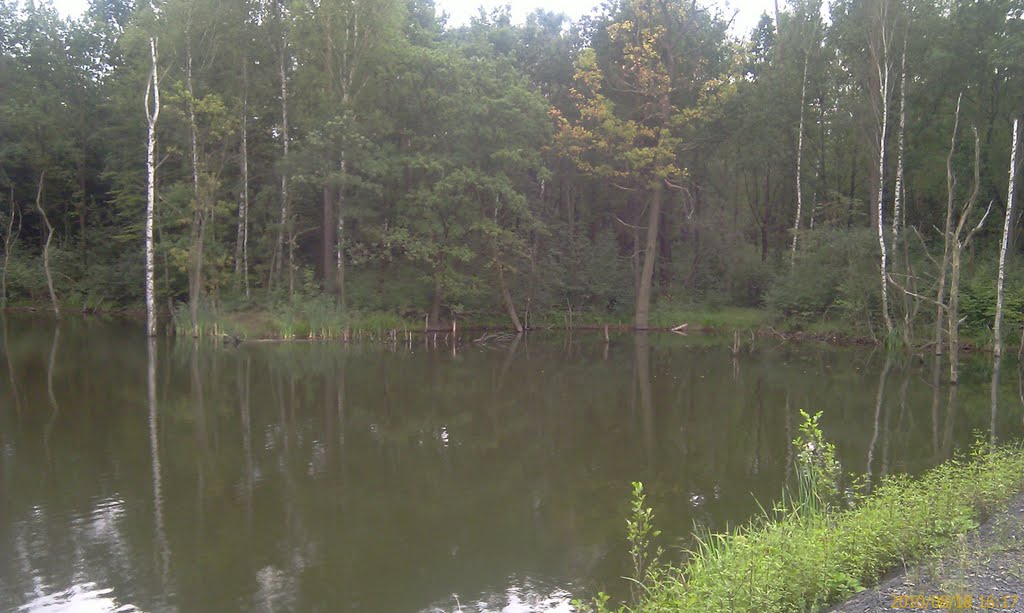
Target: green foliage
640,533
817,469
835,273
318,316
978,303
458,159
808,558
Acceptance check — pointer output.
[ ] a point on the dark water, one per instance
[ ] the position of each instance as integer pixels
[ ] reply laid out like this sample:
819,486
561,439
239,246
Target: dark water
313,476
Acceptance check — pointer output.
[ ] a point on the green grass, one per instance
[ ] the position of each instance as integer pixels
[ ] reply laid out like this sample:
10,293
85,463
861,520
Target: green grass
725,318
803,561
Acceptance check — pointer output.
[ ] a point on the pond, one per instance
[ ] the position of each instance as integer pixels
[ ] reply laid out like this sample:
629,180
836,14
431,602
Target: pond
412,477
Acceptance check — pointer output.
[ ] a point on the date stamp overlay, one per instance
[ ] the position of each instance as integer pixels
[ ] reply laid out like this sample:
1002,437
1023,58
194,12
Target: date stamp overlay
957,602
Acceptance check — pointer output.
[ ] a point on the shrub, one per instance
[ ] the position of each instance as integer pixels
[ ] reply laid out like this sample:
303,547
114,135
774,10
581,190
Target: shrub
807,557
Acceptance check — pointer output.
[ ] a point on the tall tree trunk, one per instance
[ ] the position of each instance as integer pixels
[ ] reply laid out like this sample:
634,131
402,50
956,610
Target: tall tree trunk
327,238
994,401
83,237
953,313
435,305
506,298
881,199
897,212
46,246
152,86
284,230
799,160
820,185
242,241
947,233
195,283
853,192
643,296
340,238
998,327
9,237
956,248
881,58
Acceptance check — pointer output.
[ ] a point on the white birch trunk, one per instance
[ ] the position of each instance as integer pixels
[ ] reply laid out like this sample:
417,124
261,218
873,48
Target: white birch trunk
799,160
947,233
340,247
153,85
998,327
897,212
883,74
284,229
242,242
195,279
8,244
46,246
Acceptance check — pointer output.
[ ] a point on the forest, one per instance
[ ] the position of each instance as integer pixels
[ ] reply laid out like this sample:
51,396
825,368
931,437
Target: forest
327,161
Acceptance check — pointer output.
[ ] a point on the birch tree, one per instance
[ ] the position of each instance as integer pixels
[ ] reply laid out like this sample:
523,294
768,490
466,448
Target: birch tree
198,232
284,228
997,328
882,62
809,15
799,159
152,114
242,240
897,209
947,233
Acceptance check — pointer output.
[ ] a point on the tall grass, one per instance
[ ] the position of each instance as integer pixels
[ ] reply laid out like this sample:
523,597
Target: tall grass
319,317
812,552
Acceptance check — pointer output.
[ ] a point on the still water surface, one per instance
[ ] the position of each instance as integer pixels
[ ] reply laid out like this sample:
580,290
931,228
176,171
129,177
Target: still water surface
318,476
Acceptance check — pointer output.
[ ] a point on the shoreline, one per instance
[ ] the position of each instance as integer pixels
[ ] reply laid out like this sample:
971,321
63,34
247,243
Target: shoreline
982,569
950,527
257,325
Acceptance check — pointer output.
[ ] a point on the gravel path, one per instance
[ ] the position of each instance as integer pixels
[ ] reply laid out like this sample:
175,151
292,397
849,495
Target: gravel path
983,571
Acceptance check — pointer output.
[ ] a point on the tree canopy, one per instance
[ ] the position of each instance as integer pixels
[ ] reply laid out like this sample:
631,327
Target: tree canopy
366,154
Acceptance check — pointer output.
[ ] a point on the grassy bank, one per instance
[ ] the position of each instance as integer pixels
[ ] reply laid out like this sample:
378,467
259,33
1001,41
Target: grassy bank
812,552
320,319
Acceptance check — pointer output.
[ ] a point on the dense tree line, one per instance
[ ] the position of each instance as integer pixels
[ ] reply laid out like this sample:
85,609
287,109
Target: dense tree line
364,154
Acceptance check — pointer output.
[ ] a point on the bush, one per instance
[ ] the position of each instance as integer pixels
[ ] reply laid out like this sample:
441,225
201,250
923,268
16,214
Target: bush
978,300
836,270
800,560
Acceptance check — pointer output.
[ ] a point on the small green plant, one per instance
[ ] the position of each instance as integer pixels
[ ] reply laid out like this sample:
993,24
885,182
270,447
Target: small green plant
817,469
640,533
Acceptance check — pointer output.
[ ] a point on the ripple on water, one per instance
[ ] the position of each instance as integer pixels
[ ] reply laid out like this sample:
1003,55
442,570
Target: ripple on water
88,542
519,596
80,598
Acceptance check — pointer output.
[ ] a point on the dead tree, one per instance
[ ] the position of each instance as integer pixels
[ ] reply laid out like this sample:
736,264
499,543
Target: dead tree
947,232
46,246
997,329
956,249
9,238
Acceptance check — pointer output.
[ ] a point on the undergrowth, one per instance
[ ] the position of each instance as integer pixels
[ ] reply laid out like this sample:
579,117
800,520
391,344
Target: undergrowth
817,548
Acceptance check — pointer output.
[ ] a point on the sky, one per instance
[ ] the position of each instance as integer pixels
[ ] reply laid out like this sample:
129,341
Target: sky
459,11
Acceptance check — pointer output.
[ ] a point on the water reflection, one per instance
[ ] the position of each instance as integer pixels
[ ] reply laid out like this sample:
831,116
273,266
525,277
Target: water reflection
81,598
404,478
